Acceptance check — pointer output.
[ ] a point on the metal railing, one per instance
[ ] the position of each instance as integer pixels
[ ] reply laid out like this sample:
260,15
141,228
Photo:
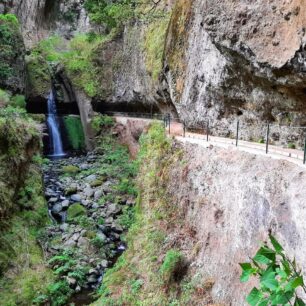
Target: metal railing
206,128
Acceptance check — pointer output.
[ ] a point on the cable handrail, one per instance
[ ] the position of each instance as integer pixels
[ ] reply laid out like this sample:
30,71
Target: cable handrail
207,127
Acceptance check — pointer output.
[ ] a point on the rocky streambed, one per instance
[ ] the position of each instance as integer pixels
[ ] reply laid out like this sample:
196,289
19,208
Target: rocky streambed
89,218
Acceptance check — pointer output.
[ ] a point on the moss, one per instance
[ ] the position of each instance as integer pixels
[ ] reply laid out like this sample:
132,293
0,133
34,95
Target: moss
154,44
177,42
75,210
74,130
27,275
70,169
38,75
11,53
172,265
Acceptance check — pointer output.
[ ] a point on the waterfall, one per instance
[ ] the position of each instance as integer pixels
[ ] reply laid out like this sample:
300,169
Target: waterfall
53,127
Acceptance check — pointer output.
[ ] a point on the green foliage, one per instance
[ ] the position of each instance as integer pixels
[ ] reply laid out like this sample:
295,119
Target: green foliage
154,44
75,210
9,18
97,242
11,46
279,277
109,13
59,293
127,219
102,121
291,145
4,98
18,101
171,265
75,132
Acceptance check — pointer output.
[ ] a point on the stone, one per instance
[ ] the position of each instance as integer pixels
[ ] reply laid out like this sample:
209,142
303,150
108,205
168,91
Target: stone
70,243
76,198
83,243
90,178
65,204
98,194
84,166
73,188
117,228
64,227
104,264
71,281
57,208
53,200
113,209
92,279
88,191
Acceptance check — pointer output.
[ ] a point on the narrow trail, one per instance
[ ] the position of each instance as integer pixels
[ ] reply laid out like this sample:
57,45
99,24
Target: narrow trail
177,130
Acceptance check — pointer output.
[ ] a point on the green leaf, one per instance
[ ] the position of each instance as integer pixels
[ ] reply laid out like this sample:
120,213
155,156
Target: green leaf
263,302
248,270
299,302
268,279
286,266
293,284
276,245
245,266
265,255
281,298
254,297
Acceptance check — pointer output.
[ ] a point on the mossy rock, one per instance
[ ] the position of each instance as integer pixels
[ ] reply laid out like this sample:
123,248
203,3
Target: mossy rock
97,182
75,210
70,169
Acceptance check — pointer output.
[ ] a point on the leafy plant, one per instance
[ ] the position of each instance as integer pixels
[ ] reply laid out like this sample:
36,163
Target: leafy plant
279,277
171,265
291,145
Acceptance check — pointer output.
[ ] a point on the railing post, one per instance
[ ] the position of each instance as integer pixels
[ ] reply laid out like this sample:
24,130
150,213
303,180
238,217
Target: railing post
237,133
207,131
267,139
304,161
169,122
184,129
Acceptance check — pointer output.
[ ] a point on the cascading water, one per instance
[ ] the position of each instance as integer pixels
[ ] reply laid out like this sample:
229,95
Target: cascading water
53,127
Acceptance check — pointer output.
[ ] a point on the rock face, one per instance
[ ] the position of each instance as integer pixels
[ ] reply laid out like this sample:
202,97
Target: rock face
40,18
231,200
222,60
242,60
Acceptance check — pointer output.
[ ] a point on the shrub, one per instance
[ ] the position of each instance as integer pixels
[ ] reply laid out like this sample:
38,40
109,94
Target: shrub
100,121
291,145
18,101
172,265
279,277
4,98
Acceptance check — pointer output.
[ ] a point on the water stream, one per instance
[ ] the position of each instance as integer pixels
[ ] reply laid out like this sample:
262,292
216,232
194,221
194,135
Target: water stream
56,144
